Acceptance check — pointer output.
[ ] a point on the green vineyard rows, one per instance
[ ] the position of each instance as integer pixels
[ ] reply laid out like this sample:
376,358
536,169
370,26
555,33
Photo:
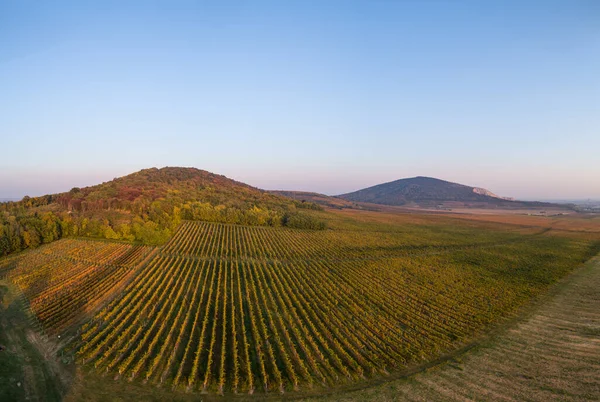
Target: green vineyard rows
66,279
226,308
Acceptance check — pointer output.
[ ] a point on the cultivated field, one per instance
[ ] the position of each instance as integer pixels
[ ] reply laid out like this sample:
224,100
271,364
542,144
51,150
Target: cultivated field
553,354
230,309
68,278
233,309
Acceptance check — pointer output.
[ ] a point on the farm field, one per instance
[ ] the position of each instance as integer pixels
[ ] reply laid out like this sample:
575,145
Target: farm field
553,353
232,310
64,280
394,217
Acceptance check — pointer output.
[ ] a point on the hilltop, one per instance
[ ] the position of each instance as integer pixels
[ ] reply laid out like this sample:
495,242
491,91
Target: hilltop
429,192
183,183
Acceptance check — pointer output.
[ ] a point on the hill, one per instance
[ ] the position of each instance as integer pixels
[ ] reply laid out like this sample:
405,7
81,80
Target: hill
145,206
316,198
432,192
140,189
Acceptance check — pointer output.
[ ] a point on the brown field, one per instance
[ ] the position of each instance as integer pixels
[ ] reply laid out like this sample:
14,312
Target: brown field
576,222
501,211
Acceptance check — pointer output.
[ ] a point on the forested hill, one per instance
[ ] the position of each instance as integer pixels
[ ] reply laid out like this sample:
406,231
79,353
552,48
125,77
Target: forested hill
145,206
138,190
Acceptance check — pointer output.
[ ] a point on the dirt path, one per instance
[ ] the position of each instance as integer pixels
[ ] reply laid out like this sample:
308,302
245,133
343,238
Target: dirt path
551,354
29,362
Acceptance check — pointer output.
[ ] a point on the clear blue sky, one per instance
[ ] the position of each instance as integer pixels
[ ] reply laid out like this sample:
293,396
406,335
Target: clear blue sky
328,96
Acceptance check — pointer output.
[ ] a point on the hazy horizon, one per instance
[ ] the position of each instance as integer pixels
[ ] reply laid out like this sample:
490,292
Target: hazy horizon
328,97
65,181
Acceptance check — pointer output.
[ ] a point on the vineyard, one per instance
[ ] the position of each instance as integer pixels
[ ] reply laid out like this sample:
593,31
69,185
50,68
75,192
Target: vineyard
67,279
234,309
550,354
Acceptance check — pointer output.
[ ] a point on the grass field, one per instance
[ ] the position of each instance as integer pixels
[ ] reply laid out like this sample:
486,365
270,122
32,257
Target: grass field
229,309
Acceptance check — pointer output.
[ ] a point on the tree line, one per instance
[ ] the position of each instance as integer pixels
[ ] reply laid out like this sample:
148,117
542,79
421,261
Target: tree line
35,221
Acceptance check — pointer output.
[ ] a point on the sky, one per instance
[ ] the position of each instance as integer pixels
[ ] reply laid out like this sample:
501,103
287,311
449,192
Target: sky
327,96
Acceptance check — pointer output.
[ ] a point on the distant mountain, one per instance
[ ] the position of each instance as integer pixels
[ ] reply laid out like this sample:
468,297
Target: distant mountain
429,192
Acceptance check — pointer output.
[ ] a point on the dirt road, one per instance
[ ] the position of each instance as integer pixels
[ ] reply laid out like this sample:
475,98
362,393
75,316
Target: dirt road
28,367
